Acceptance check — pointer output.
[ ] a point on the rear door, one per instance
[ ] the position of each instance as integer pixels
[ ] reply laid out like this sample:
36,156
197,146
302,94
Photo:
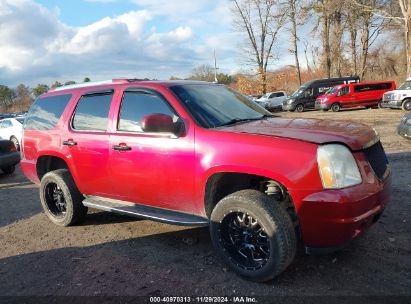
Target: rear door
157,168
87,143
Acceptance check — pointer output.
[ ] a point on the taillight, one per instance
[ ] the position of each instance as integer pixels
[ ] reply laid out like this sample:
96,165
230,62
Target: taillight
13,147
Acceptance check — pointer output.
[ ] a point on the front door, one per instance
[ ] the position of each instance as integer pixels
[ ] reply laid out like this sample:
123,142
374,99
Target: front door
155,168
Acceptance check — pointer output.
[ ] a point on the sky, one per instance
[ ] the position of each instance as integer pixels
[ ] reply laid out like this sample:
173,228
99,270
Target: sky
43,41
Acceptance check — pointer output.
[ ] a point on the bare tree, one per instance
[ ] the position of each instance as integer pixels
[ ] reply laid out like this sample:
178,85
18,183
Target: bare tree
387,9
292,15
204,72
262,21
323,8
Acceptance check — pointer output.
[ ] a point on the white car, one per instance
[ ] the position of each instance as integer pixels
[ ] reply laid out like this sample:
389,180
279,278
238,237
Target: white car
12,129
273,101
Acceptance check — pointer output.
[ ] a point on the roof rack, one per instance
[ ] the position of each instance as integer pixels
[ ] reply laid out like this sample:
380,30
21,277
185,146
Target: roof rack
96,83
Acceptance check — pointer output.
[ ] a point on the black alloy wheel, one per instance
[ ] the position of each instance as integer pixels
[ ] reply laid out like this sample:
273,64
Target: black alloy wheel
55,201
245,240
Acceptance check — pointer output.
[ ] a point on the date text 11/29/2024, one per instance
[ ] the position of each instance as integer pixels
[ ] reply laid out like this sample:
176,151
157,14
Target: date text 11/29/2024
204,299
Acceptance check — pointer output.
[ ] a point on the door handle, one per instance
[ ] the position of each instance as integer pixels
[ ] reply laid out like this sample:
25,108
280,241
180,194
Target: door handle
69,143
121,147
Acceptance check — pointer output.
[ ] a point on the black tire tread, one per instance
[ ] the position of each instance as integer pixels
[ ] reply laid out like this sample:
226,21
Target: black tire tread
74,197
287,238
404,103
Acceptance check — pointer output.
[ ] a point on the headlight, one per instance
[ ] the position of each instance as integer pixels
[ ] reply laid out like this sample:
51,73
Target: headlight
408,121
290,101
337,166
324,100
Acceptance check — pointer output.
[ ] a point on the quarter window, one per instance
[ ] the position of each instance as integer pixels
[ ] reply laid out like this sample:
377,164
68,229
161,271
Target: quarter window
92,113
136,105
46,112
5,124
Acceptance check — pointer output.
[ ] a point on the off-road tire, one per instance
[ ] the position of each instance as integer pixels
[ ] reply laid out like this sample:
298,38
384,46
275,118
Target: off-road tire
406,105
75,210
335,107
299,108
9,170
273,219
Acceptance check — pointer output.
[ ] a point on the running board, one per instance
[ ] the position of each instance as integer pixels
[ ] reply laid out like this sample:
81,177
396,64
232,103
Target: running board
142,211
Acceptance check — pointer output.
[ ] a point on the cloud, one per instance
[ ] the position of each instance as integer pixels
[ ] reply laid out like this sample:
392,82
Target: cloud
156,40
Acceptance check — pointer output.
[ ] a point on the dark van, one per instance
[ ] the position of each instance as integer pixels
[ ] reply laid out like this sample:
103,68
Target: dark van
304,98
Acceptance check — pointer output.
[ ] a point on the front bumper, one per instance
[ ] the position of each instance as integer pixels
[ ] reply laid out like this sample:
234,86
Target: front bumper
331,218
9,159
322,106
288,107
404,130
393,104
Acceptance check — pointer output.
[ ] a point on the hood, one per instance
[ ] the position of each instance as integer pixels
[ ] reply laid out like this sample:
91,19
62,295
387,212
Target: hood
355,135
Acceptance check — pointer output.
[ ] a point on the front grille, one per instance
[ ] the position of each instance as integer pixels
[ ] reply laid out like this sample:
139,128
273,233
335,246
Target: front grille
377,159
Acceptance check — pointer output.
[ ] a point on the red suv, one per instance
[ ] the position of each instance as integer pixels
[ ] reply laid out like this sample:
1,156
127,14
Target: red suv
364,94
193,153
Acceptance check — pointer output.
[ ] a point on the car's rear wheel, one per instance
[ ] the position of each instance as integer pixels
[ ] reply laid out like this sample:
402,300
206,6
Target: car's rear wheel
406,105
335,107
253,234
15,142
60,198
299,108
9,170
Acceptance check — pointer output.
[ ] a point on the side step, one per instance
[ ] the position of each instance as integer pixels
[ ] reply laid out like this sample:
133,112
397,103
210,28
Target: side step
142,211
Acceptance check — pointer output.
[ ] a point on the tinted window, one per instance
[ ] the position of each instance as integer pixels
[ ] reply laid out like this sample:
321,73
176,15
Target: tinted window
92,113
45,112
136,105
344,91
6,124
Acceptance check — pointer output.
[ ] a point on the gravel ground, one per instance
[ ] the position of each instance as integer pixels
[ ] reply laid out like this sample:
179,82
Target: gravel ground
115,255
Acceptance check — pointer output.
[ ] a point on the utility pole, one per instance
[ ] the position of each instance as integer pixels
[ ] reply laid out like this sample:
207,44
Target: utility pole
215,68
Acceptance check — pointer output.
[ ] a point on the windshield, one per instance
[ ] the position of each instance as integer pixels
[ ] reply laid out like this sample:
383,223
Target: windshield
20,120
216,105
332,90
299,92
405,86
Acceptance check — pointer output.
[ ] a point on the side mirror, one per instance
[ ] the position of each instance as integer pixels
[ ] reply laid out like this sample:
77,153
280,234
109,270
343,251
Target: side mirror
161,123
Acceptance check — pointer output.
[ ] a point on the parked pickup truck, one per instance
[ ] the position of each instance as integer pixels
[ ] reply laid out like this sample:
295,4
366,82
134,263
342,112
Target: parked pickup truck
399,98
195,153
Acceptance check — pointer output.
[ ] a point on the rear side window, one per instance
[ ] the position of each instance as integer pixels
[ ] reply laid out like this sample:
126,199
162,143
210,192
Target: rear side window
46,112
6,124
136,105
92,113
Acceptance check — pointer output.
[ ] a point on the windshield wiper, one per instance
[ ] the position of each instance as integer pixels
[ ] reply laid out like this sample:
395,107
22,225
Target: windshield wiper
237,120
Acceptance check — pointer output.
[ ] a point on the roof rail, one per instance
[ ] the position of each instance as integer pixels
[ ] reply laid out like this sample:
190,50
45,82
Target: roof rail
95,83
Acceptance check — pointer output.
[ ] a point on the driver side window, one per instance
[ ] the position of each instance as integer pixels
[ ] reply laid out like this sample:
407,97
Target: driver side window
136,105
343,91
308,93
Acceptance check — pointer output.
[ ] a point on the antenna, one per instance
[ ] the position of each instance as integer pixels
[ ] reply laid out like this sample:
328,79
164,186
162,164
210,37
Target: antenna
215,68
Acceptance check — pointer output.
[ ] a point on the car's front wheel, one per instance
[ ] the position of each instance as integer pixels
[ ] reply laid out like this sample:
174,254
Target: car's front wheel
253,234
335,107
299,108
60,198
406,105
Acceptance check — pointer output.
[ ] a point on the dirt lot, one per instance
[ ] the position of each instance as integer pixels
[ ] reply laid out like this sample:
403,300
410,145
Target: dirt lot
115,255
